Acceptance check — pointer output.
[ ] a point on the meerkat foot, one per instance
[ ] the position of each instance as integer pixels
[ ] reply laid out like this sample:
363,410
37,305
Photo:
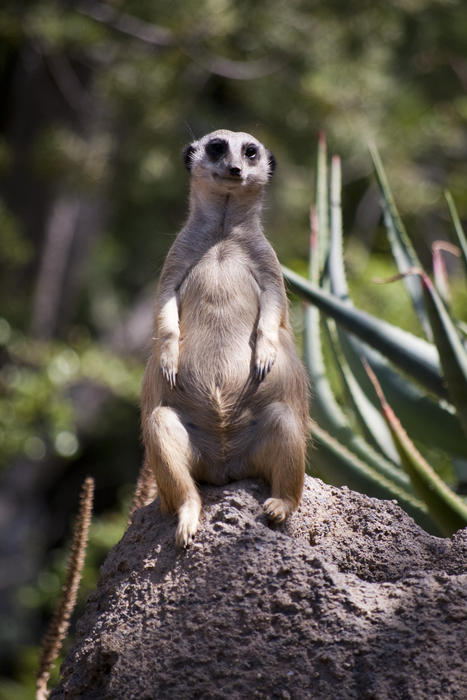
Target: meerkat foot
277,509
188,520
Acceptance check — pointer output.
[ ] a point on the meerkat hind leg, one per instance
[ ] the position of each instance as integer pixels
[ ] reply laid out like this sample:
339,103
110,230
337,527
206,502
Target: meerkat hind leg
279,457
172,458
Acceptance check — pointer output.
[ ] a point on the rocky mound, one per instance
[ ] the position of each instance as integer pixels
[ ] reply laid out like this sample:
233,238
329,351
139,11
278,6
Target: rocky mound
348,599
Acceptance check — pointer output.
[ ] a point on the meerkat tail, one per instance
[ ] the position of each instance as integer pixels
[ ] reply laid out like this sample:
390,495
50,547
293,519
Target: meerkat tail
221,410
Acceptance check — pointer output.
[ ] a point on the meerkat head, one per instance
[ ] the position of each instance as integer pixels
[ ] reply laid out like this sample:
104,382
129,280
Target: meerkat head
229,160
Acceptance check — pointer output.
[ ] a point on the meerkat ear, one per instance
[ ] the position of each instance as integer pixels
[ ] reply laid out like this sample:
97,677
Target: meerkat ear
187,154
272,164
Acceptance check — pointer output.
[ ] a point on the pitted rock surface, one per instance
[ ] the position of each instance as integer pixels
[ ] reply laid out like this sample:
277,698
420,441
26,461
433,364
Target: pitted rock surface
348,599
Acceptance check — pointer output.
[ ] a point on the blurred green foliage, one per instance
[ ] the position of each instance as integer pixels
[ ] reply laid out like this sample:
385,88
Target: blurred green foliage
36,411
98,100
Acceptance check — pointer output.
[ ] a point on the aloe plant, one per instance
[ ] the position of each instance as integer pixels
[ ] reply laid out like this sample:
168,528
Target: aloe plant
389,377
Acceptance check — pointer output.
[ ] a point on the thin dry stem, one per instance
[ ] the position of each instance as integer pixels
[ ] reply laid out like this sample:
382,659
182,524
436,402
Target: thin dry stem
399,276
146,489
447,247
58,628
313,228
375,382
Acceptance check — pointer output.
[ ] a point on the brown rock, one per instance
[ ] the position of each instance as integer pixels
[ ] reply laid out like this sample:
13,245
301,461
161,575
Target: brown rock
349,599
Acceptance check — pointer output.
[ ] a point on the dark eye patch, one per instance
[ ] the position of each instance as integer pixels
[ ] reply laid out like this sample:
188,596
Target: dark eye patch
251,151
216,148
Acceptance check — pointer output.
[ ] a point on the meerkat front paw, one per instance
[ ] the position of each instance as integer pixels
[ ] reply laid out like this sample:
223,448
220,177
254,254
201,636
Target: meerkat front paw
169,362
277,509
265,356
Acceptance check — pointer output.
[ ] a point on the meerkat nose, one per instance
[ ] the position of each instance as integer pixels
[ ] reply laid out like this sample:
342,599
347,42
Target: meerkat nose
236,172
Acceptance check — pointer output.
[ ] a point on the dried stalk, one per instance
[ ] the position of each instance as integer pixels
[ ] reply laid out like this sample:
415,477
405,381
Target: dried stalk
146,489
58,628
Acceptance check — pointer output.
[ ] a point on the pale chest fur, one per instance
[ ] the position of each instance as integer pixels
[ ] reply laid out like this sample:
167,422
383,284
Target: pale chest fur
218,304
220,293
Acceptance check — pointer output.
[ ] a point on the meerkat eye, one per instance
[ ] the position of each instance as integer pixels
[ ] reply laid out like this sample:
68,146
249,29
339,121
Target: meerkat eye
251,152
216,149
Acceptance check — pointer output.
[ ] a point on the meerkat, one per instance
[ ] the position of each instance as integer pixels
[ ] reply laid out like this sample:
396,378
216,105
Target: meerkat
225,396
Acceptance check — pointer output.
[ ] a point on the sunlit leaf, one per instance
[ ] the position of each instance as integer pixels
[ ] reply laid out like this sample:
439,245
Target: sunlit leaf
413,355
459,231
368,416
440,274
446,508
402,250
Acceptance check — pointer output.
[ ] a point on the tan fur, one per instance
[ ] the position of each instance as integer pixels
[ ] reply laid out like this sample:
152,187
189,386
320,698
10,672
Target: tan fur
224,394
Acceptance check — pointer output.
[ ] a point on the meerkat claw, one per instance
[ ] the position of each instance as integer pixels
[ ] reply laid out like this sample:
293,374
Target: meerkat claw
263,368
170,376
184,538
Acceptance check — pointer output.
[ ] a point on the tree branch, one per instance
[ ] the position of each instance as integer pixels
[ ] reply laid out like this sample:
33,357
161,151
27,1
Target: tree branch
161,37
127,24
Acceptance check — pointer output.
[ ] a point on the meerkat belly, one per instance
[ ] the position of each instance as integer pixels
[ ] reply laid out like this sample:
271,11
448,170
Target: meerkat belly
218,313
219,302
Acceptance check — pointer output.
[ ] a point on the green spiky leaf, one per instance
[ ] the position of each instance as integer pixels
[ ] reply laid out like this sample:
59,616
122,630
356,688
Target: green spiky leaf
447,509
459,231
452,353
367,414
413,355
402,250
